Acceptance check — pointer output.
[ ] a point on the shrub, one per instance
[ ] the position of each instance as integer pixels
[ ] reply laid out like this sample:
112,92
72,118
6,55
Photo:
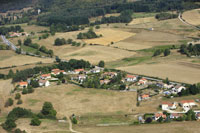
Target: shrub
19,131
74,120
148,120
24,91
167,52
9,124
9,102
19,101
48,110
18,96
35,122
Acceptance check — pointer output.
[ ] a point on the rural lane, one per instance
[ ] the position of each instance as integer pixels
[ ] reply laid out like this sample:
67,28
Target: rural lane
7,42
185,22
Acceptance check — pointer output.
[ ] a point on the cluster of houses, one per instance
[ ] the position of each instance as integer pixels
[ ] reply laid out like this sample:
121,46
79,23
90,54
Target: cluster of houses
185,104
173,89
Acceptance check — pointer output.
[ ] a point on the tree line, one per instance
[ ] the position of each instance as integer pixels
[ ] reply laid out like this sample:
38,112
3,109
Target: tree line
190,50
6,30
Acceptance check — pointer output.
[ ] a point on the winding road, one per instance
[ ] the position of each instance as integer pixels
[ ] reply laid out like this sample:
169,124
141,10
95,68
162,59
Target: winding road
185,22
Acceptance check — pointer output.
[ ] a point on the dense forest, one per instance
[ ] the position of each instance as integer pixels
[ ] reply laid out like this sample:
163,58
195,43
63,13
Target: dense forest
77,12
7,5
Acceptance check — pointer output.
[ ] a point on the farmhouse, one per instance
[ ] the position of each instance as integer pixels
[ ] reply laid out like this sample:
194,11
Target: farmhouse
145,96
97,69
82,77
45,76
142,81
131,78
105,81
175,115
57,71
110,74
77,71
187,104
15,34
167,106
158,115
23,84
44,83
177,89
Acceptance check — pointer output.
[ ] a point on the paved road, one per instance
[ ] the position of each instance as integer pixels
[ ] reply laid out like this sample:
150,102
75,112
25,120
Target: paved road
7,42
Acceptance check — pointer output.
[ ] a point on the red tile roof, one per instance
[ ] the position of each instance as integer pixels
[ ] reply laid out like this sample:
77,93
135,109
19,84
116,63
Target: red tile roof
187,101
46,75
130,76
160,115
78,70
23,83
167,103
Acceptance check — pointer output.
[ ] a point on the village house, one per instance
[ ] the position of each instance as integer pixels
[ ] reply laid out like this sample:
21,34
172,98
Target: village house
78,71
15,34
57,71
167,106
198,116
177,89
23,84
45,76
158,115
142,81
97,69
110,74
145,96
130,78
187,104
81,77
175,115
44,83
105,81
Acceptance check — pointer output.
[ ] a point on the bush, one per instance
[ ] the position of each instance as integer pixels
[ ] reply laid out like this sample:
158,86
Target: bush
9,102
48,110
35,122
167,52
157,52
148,120
19,101
19,131
24,91
17,96
74,120
9,124
101,64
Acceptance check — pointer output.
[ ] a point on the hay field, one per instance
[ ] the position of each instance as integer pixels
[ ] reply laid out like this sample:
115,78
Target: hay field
96,53
147,39
109,35
192,17
173,127
143,20
69,99
177,71
9,58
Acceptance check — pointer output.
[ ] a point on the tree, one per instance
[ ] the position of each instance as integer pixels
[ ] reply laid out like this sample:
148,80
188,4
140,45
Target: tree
157,52
34,83
9,102
27,42
122,87
166,81
48,110
148,120
19,131
11,73
160,120
19,101
58,59
9,124
17,96
101,64
19,42
35,121
50,52
74,120
167,52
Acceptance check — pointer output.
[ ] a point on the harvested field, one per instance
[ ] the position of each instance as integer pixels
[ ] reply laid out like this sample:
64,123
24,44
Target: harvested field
109,35
177,71
47,126
143,20
147,39
69,99
192,17
174,127
9,58
96,53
